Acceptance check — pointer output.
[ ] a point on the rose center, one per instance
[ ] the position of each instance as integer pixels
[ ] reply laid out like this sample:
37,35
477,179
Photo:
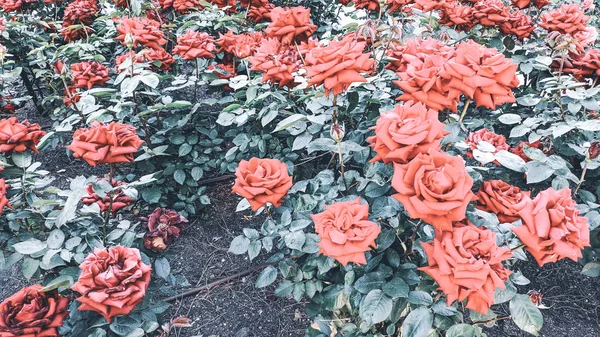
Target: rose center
438,181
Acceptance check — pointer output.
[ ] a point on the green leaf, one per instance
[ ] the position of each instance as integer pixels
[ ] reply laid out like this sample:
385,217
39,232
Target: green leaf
501,296
162,268
295,240
396,288
511,161
420,298
123,325
417,323
591,269
510,119
239,245
22,159
55,239
29,247
289,121
29,267
375,307
538,172
78,186
151,195
369,282
284,288
179,176
266,277
462,330
525,314
254,249
184,149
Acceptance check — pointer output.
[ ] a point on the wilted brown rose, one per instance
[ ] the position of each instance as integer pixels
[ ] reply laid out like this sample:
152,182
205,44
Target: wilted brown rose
552,227
112,281
32,313
502,199
290,24
482,74
406,131
142,30
119,199
4,202
192,45
434,187
88,74
567,19
338,65
18,136
345,231
105,143
164,226
467,264
277,62
262,181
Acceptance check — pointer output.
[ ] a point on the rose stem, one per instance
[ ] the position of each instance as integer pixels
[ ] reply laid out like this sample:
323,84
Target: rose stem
464,112
518,247
492,320
582,178
109,210
339,146
197,78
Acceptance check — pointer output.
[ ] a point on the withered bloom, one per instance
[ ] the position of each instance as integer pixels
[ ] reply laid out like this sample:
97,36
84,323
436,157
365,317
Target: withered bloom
164,226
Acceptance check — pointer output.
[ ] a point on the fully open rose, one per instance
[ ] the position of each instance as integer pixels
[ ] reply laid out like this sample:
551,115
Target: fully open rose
31,313
346,232
290,24
552,228
142,31
192,45
105,143
434,187
87,75
18,136
4,202
262,181
406,131
567,19
277,62
112,281
502,199
467,264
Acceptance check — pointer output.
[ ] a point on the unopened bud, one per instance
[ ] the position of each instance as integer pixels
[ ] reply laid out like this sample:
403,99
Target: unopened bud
337,132
129,40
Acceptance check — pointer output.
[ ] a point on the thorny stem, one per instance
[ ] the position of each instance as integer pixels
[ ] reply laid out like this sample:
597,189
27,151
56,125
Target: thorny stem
339,146
299,52
70,95
464,112
492,320
108,212
518,247
582,178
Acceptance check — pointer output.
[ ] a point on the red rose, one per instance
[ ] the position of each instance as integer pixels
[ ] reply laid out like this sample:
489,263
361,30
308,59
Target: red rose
31,313
159,59
192,45
277,62
552,228
498,141
398,5
467,264
518,24
119,199
144,32
525,3
369,5
502,199
346,232
289,24
88,74
112,281
567,19
519,149
78,12
434,187
338,65
258,13
4,202
455,15
491,12
262,181
106,143
19,136
406,131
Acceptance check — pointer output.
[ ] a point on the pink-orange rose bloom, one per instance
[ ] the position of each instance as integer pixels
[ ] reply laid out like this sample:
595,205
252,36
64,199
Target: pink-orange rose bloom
289,24
105,143
18,136
346,232
31,313
144,31
467,264
88,74
112,281
567,19
192,45
262,181
338,65
434,187
552,227
277,62
119,199
498,141
4,202
502,199
406,131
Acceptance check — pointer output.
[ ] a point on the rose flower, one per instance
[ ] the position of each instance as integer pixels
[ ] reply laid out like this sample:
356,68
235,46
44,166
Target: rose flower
4,202
31,313
164,226
589,64
482,74
434,187
259,13
6,106
277,62
398,5
406,131
498,141
119,199
182,6
88,74
519,150
112,281
431,5
369,5
460,17
345,231
467,264
491,12
78,12
105,143
417,47
338,65
552,228
159,59
11,5
19,136
289,24
262,181
517,24
192,45
144,32
567,19
502,199
525,3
